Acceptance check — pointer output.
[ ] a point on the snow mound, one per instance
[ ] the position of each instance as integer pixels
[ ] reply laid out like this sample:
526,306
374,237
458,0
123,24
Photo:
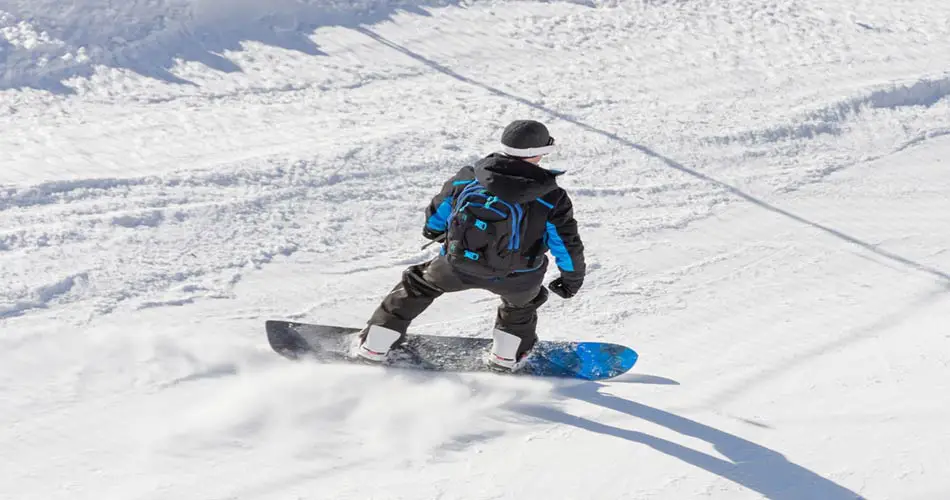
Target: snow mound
923,92
43,43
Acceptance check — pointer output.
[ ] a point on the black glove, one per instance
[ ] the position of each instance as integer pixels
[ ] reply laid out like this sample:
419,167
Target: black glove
566,286
431,234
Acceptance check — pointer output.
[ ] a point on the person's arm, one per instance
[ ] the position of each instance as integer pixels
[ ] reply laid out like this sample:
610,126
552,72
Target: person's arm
439,209
564,242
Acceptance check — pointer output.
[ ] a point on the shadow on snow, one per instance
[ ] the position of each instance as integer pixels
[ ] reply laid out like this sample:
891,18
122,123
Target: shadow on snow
750,465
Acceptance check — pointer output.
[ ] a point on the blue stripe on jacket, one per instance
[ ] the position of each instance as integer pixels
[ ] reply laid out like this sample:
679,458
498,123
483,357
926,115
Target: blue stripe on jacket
561,256
539,200
439,220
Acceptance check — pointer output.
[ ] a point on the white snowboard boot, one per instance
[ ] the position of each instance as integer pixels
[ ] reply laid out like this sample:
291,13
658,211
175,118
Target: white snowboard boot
377,342
504,352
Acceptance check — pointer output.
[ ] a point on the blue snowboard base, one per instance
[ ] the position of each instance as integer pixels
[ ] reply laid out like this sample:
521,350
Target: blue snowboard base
578,360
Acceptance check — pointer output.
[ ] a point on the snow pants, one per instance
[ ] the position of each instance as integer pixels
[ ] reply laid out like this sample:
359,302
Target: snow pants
521,296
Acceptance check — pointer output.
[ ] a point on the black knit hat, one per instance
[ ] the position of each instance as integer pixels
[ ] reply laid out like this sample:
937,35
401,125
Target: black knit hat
526,139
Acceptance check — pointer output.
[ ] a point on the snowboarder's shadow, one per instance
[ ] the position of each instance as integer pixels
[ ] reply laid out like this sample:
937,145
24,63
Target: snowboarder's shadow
753,466
641,378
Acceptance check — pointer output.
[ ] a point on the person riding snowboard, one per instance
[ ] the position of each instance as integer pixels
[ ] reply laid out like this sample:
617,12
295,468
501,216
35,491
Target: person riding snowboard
496,221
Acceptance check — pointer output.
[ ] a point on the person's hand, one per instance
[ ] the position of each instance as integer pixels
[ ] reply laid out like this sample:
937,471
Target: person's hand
566,286
431,234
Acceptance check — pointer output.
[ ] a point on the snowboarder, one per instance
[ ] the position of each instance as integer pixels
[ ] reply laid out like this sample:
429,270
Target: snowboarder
496,221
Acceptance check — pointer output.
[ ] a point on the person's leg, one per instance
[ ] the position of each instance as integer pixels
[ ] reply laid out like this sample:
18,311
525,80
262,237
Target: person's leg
414,293
420,285
516,321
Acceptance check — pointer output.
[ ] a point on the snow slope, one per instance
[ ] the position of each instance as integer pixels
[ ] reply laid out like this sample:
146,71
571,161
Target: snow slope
762,188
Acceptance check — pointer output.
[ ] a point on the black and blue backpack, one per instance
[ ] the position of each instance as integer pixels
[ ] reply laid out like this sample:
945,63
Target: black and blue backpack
483,237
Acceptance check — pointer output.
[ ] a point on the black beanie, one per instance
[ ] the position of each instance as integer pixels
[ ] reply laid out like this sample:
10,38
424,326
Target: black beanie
526,139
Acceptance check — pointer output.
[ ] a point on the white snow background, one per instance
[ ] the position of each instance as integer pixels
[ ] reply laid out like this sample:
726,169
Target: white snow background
762,187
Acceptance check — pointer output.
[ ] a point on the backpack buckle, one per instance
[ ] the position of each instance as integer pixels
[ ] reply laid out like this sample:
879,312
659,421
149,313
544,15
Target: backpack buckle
471,255
481,224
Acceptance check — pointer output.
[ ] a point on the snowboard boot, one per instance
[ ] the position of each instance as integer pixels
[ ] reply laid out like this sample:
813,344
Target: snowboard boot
376,341
504,352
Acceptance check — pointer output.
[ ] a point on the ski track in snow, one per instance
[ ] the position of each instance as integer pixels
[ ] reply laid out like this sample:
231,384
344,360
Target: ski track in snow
761,188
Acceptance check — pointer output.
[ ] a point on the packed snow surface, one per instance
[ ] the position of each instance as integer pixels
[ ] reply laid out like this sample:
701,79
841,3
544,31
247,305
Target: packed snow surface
763,189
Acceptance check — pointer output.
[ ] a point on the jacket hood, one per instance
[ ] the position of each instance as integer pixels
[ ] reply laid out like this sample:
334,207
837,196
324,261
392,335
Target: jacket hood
513,179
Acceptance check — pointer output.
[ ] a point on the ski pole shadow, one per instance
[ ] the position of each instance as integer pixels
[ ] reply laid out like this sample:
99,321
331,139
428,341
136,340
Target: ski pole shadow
669,162
750,465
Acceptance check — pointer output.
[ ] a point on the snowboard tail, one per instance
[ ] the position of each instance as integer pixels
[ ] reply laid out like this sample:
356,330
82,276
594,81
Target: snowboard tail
564,359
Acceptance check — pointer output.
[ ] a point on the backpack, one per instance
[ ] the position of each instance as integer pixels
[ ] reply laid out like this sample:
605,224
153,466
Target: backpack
483,237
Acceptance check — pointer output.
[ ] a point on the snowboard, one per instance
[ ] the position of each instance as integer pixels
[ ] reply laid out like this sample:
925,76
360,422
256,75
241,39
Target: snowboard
564,359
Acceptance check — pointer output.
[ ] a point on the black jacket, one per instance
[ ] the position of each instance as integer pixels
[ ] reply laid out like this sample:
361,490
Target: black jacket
548,212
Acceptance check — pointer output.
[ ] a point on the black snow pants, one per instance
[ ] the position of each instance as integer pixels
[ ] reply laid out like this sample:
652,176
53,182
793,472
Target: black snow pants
521,296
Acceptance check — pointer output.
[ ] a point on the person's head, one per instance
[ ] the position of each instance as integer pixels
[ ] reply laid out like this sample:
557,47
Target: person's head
528,140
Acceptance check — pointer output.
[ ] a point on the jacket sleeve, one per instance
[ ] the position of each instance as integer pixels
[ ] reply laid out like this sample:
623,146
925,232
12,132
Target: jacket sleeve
439,209
563,239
